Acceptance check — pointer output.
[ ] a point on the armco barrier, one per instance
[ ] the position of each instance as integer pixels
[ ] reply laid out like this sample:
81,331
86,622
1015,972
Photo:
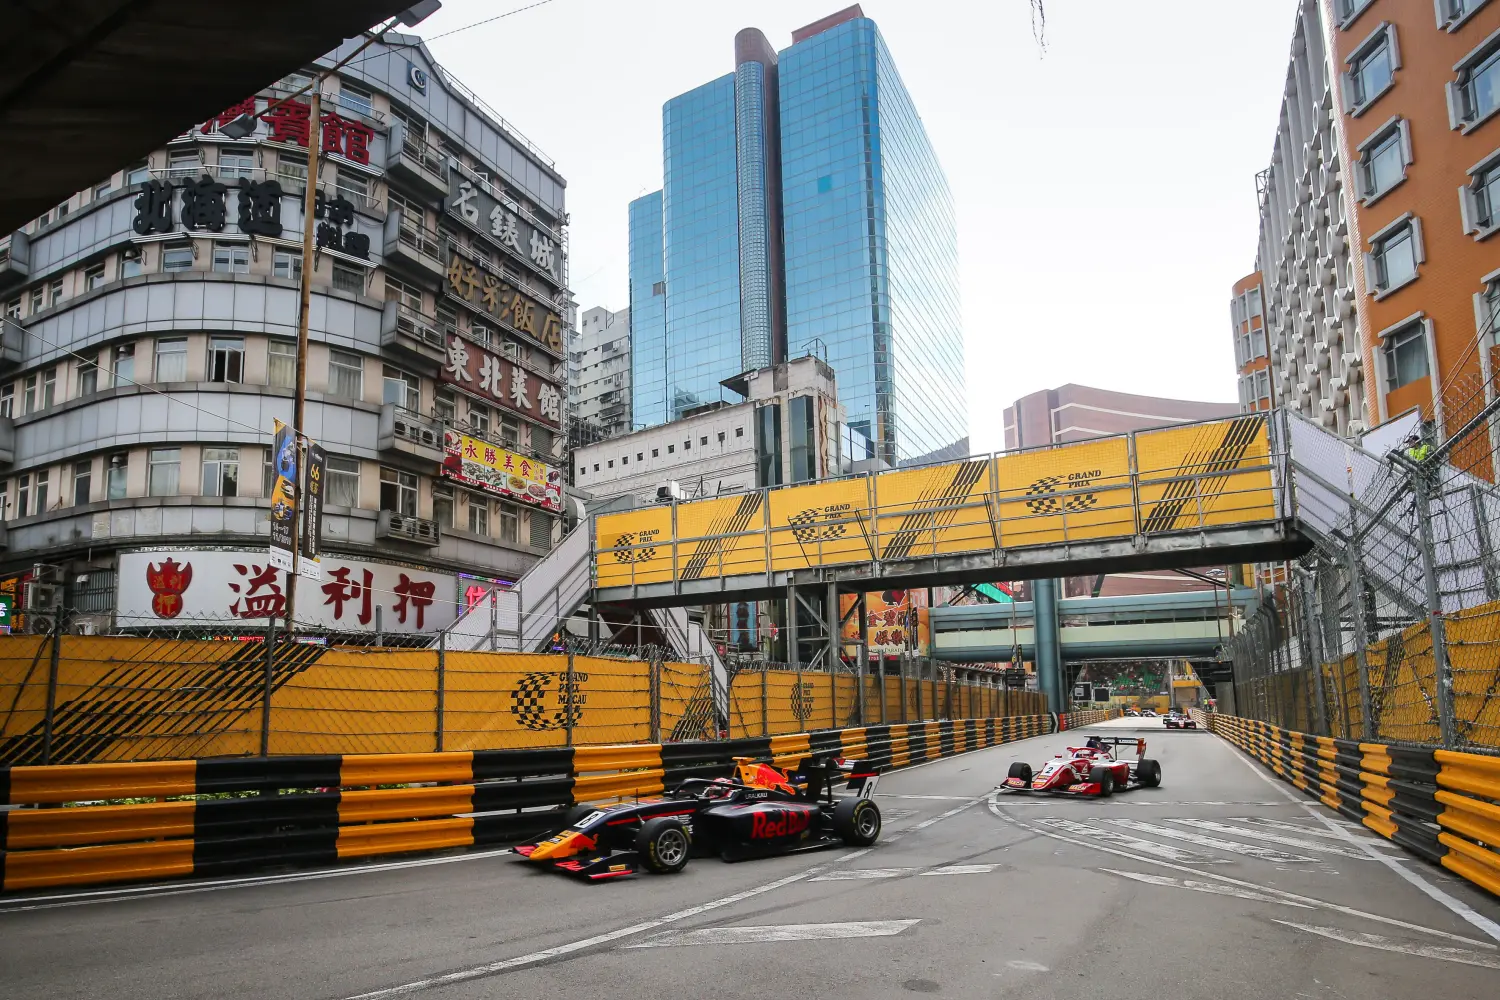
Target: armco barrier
228,815
1442,806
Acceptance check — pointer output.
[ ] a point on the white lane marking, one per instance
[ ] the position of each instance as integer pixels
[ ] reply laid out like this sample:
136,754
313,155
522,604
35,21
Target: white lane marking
1025,966
1145,846
1197,886
1429,890
1305,831
1463,956
1233,847
777,932
1002,815
590,942
1301,843
962,870
934,798
126,893
850,874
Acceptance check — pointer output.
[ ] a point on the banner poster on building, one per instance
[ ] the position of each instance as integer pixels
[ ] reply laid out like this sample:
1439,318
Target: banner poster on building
312,515
744,634
492,469
283,496
896,621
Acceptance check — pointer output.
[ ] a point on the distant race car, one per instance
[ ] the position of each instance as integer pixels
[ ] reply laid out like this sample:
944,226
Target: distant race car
1147,713
1179,720
1091,769
762,810
1132,713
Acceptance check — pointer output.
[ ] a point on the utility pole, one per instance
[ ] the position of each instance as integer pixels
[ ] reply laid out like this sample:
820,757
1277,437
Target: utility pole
299,403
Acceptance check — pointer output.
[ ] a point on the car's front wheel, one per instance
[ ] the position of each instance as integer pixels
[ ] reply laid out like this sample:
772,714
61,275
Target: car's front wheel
1105,779
857,822
664,845
1020,769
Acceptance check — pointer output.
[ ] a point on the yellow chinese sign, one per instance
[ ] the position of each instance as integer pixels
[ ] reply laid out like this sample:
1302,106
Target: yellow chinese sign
485,291
487,467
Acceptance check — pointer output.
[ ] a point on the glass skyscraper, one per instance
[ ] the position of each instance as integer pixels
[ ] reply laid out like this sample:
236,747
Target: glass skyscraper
805,212
648,313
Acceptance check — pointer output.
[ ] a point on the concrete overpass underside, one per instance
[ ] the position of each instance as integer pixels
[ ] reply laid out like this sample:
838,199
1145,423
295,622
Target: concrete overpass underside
87,86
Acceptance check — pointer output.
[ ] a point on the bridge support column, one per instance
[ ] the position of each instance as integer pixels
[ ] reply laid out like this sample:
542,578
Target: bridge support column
1048,649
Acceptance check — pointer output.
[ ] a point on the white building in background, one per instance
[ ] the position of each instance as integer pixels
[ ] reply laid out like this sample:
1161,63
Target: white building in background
599,371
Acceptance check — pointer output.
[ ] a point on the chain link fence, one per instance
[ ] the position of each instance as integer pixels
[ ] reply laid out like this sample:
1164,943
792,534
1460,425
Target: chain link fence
1389,628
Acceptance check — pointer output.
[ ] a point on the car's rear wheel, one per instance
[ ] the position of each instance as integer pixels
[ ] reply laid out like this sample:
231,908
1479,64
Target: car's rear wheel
857,822
664,845
1105,779
1148,772
1020,769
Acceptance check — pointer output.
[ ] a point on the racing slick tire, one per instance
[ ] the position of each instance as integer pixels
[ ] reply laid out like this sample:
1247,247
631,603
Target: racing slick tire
1020,769
664,845
575,815
857,822
1148,772
1105,779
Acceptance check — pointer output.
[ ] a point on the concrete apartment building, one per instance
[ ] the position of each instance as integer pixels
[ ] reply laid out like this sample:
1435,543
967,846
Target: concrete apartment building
599,372
1252,355
1378,212
1074,412
149,329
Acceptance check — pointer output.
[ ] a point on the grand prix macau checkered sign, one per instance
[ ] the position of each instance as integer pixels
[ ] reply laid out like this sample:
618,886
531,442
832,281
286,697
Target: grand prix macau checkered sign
1152,482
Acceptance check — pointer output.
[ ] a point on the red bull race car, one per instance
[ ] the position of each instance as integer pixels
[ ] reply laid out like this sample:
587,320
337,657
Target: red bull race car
760,811
1092,769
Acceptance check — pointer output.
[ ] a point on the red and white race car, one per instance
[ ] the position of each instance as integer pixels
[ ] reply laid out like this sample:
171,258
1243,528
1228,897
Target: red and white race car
1091,769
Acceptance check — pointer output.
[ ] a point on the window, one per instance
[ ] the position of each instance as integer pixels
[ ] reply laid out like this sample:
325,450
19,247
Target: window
1346,9
510,431
1485,194
117,470
83,480
1476,94
1405,354
355,187
281,364
356,99
541,530
23,495
596,466
479,420
398,492
444,407
671,449
171,359
28,395
659,288
408,295
346,374
163,471
49,387
1394,254
124,364
226,359
43,481
611,463
1371,69
655,453
447,318
510,522
178,257
291,173
482,334
1451,14
232,258
103,190
739,432
1491,296
442,505
233,166
411,212
342,484
401,388
479,516
624,460
5,512
182,165
54,292
62,210
13,309
1258,342
640,456
138,172
130,263
93,277
721,437
703,440
1383,160
286,264
348,279
221,472
38,300
8,400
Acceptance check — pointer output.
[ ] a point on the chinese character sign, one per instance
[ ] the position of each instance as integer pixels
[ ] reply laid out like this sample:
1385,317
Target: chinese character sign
353,595
489,294
472,202
500,382
488,467
895,622
291,121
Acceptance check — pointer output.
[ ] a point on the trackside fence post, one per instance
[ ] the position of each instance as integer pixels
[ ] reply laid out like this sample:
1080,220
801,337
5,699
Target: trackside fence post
53,657
269,685
765,702
442,657
568,701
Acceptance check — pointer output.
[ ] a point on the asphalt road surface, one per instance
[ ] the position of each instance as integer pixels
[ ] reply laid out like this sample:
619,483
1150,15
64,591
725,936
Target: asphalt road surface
1220,883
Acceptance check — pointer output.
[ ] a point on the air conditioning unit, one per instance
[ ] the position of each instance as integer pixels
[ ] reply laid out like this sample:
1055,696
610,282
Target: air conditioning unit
43,596
85,628
670,492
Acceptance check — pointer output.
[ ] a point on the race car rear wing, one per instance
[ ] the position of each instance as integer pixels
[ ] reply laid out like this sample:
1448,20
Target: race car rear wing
1119,741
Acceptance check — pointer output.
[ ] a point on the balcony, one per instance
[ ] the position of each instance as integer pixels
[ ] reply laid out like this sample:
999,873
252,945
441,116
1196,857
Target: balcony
402,328
410,245
407,432
392,526
12,344
15,259
7,441
414,160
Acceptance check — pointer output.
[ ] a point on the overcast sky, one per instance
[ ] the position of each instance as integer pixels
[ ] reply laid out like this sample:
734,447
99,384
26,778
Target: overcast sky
1105,189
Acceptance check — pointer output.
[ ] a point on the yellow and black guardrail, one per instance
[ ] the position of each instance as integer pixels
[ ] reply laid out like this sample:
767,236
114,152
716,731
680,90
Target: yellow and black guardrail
1442,806
210,817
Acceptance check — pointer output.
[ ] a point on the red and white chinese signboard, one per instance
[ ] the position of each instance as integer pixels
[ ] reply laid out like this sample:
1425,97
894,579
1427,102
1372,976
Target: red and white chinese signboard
490,468
292,122
188,584
500,381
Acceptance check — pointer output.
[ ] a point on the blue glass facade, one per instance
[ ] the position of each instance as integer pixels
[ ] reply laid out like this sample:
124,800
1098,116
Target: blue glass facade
648,313
701,229
805,212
